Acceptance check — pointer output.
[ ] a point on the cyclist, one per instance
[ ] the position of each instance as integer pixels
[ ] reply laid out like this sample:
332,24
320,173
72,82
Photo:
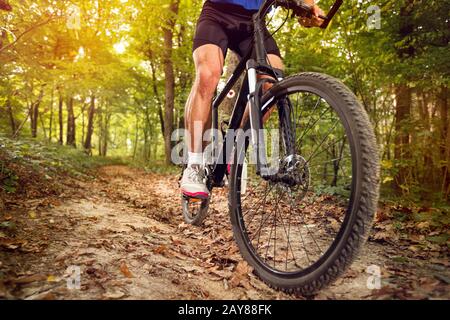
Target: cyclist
222,25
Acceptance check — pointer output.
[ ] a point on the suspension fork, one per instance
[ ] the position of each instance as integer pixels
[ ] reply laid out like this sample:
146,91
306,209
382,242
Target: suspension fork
284,107
256,126
255,115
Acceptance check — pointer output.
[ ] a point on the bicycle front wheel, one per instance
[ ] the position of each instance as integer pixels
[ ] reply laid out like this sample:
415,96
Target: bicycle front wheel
301,233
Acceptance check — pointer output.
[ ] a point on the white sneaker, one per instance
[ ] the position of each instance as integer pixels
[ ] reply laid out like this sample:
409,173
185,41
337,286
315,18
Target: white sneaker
193,182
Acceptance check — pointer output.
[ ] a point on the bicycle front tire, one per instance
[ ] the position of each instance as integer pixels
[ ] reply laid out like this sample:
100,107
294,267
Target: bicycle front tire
356,220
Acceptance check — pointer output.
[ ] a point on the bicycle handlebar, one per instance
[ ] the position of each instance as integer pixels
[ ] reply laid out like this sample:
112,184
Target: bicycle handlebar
302,9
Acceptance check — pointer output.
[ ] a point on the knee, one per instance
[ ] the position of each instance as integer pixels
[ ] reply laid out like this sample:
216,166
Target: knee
207,78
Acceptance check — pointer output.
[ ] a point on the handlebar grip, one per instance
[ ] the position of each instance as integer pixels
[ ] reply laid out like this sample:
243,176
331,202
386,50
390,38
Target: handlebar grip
302,9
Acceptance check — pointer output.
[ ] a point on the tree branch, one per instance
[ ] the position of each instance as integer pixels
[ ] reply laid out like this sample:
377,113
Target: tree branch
34,27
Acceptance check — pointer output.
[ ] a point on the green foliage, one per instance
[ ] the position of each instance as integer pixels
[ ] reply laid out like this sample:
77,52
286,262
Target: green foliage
52,159
117,57
332,190
9,180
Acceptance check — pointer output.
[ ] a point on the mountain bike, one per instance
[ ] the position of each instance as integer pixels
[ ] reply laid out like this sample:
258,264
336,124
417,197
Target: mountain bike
303,183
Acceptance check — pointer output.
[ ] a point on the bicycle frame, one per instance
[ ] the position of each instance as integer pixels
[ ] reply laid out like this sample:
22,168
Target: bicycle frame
251,68
249,93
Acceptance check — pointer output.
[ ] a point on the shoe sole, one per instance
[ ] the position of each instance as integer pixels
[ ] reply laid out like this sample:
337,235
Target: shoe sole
196,195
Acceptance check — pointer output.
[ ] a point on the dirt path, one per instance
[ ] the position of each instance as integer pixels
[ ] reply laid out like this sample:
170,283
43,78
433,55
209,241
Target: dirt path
125,233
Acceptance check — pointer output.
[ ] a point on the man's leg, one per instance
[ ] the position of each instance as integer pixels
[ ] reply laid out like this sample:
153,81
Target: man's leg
276,62
208,60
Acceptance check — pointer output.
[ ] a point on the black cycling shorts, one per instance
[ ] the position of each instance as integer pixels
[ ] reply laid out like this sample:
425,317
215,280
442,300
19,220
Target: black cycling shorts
229,27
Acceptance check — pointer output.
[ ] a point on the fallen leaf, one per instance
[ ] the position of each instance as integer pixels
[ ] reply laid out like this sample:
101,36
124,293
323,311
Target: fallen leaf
334,224
414,248
114,295
97,273
241,275
176,241
45,296
243,268
423,225
12,244
162,249
124,269
30,279
32,214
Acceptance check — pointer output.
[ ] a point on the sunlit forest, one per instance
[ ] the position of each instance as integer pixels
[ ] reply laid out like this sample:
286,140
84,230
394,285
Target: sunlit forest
105,82
112,77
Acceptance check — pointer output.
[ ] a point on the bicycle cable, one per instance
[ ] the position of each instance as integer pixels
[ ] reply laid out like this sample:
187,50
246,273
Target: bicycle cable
282,24
251,44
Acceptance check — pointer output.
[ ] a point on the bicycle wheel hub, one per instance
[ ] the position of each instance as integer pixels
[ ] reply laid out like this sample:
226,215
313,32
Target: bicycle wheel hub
294,172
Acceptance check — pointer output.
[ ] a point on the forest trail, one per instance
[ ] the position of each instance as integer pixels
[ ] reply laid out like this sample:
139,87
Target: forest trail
125,233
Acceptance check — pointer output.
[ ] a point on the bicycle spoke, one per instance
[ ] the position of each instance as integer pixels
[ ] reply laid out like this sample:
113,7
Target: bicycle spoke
315,107
256,211
270,236
314,123
314,239
262,224
288,236
323,140
301,236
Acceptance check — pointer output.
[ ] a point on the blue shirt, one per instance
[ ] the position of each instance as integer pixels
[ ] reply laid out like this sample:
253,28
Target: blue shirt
247,4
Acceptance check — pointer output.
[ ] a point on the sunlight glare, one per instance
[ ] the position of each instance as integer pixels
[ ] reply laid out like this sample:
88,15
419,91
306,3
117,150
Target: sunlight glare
81,54
121,47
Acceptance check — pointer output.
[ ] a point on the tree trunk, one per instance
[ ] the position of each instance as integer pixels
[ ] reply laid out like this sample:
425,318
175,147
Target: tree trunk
136,135
402,115
12,121
169,81
445,139
71,131
50,129
100,126
60,119
105,137
403,97
35,113
41,119
90,127
83,127
426,171
155,91
147,135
